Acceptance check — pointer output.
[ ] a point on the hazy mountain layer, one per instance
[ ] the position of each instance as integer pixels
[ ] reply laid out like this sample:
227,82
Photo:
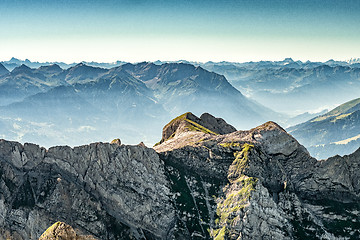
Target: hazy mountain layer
52,106
294,87
183,87
3,70
336,132
14,62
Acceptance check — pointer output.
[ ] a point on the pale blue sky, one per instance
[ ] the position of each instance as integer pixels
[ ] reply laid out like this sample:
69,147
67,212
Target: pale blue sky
139,30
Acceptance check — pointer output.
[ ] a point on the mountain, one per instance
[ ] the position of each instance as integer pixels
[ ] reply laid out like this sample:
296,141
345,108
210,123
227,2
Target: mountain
21,82
197,184
136,99
62,100
183,87
3,70
292,121
84,112
50,69
121,94
336,132
306,87
58,116
24,81
14,62
81,73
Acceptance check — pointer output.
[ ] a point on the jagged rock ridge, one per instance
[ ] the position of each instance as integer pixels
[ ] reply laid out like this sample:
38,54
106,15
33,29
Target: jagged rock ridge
256,184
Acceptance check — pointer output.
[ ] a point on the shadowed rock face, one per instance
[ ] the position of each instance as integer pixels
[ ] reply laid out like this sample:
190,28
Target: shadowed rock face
197,184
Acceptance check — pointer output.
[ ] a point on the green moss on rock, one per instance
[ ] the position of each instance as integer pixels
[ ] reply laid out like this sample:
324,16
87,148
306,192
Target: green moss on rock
240,163
230,207
193,126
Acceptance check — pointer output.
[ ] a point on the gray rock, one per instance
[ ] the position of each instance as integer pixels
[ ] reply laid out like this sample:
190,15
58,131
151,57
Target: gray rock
256,184
102,189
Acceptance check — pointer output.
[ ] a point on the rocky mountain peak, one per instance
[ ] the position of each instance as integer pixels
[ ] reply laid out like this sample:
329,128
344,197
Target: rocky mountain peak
21,68
189,122
217,125
197,184
275,139
3,70
51,68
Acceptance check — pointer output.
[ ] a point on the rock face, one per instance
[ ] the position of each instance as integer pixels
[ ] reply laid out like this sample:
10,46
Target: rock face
197,184
265,184
101,189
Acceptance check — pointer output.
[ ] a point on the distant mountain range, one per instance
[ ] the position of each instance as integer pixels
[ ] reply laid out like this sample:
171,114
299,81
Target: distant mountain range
294,87
288,62
336,132
14,62
85,103
38,102
288,86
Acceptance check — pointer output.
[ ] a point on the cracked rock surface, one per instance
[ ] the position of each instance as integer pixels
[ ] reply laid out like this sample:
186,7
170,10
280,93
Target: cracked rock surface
103,189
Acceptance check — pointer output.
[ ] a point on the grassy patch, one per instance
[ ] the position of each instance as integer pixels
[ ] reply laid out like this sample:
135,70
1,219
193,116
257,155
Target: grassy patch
231,145
240,163
220,234
193,126
183,116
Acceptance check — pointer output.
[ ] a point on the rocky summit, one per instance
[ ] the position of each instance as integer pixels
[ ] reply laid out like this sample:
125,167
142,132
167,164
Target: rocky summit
203,180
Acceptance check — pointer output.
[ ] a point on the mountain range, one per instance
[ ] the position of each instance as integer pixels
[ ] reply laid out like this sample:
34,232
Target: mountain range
52,105
294,87
270,82
203,179
14,62
83,103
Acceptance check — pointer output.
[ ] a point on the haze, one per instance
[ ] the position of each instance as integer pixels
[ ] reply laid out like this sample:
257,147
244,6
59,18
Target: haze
105,31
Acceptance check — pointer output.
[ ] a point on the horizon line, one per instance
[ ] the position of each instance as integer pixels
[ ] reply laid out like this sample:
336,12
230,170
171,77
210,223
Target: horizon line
179,60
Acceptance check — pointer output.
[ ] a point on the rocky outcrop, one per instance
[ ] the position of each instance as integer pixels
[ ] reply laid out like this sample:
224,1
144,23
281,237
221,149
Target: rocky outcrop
197,184
189,122
116,141
62,231
102,189
266,185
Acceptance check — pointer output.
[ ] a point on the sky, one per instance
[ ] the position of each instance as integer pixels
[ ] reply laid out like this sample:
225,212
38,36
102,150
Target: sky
167,30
